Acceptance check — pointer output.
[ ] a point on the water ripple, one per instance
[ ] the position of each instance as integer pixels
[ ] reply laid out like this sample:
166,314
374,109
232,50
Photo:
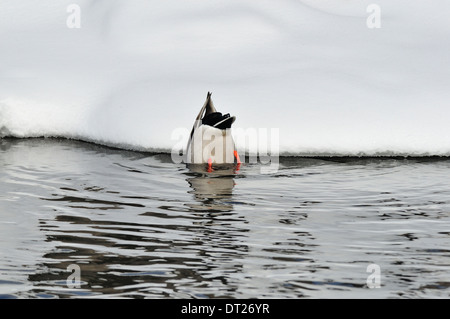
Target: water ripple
139,226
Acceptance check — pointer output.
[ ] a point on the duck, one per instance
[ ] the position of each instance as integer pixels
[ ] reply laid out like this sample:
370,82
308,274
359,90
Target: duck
211,141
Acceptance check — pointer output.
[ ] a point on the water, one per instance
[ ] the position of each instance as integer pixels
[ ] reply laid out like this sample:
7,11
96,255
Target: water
139,226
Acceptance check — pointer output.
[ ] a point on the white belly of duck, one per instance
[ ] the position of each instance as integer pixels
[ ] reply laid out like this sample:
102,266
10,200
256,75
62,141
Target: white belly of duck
211,145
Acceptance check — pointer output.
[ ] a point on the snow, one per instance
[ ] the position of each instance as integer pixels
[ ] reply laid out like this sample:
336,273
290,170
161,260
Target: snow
136,71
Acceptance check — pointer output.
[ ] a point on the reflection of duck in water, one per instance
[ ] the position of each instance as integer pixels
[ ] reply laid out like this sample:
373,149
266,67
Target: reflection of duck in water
212,190
211,140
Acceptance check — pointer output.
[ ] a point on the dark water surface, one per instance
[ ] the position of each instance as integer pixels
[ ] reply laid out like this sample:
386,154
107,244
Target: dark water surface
137,225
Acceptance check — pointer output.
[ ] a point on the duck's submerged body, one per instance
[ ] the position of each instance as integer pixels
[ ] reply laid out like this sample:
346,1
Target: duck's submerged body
211,141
